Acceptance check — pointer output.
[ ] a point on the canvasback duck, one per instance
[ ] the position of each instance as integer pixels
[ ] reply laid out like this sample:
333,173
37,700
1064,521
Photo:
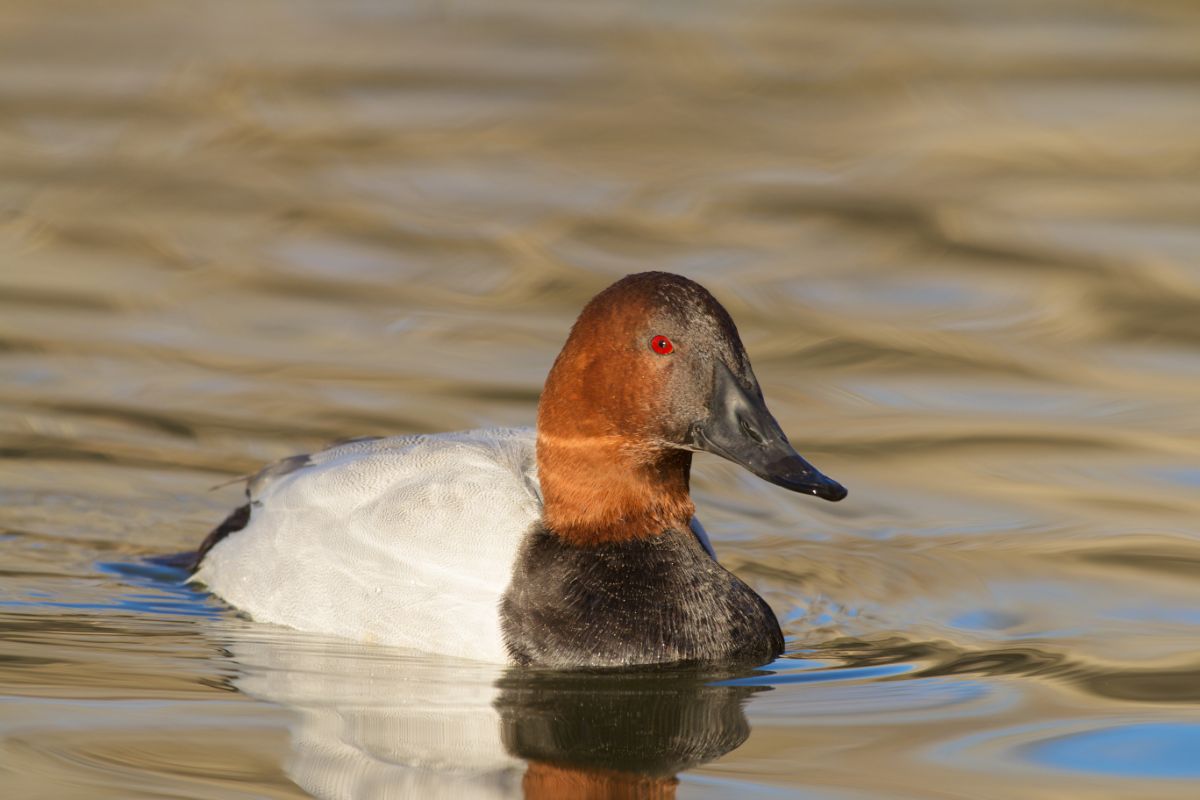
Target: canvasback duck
570,546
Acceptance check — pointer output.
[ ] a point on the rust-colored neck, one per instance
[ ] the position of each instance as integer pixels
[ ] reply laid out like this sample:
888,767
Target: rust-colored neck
607,471
601,489
548,782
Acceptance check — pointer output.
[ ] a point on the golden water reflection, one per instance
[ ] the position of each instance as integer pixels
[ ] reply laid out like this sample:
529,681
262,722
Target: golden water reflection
959,240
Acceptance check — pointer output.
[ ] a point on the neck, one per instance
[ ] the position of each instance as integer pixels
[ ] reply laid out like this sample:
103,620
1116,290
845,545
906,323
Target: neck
602,489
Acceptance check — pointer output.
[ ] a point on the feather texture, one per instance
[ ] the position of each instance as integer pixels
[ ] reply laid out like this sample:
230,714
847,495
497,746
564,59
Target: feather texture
408,541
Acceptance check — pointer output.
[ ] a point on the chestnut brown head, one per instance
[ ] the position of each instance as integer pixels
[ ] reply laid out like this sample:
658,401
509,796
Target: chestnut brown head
653,370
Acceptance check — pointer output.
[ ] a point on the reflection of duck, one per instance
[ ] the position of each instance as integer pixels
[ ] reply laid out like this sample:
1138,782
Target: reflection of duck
617,735
446,543
372,723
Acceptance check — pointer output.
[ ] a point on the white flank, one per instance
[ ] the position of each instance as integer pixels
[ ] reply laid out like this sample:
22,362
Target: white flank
407,541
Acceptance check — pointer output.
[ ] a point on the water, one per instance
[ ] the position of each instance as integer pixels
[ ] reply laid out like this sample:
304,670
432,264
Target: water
959,239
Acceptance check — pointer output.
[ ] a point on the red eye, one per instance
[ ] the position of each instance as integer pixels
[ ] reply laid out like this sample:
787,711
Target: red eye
661,345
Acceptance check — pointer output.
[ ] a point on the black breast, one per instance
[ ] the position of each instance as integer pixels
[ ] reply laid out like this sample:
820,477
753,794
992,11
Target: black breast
648,601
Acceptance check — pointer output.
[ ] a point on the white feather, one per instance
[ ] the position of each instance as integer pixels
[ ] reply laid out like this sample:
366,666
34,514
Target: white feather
408,541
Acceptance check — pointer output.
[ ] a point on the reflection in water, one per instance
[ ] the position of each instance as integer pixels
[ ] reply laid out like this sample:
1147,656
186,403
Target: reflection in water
1162,683
618,734
959,239
374,722
1153,750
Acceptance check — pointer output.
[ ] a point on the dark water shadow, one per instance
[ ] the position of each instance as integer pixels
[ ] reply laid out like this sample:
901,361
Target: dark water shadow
619,733
1164,684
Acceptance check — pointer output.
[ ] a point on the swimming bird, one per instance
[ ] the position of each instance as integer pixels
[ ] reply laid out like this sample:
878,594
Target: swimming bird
572,545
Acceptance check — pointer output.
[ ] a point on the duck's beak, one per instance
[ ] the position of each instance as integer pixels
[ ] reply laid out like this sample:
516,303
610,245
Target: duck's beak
741,429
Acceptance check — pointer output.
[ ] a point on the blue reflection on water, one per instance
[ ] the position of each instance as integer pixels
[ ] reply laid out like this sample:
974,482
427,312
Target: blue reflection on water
168,593
800,675
1186,476
987,620
1149,750
159,589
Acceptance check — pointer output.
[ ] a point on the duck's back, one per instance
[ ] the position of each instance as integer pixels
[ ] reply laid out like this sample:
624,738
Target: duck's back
408,541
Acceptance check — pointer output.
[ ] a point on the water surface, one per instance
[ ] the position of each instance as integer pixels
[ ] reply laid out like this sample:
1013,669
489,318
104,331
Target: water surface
960,241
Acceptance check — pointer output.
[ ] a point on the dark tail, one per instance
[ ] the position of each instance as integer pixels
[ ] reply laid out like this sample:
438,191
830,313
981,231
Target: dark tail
233,523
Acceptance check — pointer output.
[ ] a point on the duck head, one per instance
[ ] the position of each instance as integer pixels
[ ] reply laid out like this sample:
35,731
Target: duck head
653,370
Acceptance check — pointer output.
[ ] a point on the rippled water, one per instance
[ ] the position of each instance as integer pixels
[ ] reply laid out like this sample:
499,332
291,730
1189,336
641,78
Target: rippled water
960,240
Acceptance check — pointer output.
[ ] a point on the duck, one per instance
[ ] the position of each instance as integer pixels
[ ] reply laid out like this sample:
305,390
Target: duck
574,544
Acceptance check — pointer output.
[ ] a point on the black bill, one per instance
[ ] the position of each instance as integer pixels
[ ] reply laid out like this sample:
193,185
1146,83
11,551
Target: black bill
741,429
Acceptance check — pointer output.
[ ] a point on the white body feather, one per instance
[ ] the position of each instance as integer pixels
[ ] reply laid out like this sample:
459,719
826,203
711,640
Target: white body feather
408,541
